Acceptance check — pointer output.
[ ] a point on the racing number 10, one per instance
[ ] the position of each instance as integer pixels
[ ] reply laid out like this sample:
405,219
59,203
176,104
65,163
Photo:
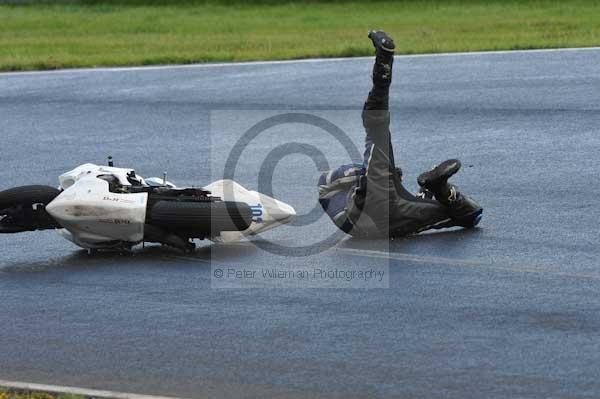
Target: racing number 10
257,213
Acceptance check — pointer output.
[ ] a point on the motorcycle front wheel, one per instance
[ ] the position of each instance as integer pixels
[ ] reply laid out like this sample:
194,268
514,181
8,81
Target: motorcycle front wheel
18,212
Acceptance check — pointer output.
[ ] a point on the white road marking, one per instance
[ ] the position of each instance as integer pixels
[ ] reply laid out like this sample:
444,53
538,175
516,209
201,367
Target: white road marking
300,61
27,386
471,263
432,260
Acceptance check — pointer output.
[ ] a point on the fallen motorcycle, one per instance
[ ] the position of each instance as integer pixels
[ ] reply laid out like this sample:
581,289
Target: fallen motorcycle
105,207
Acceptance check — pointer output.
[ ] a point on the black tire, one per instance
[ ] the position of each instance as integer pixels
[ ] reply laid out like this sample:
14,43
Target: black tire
200,219
16,205
27,196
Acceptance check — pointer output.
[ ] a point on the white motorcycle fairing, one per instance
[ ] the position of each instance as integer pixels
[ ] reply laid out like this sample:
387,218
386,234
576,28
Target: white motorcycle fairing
94,217
267,212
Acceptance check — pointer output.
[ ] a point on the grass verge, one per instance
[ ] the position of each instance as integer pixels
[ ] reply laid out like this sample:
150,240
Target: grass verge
18,394
90,33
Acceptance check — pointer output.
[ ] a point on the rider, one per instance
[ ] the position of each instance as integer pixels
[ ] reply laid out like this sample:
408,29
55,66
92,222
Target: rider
369,200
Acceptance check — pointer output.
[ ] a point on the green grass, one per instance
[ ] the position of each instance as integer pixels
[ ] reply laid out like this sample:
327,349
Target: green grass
12,394
100,33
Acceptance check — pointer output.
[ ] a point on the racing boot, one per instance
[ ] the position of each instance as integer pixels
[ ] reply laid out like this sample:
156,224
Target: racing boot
464,211
384,58
436,179
382,70
424,194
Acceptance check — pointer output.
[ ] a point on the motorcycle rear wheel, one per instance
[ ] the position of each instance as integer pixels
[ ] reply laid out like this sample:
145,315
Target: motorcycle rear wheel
200,219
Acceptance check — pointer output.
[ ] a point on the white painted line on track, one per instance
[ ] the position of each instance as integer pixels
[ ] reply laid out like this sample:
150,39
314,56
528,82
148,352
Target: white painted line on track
27,386
470,263
299,61
430,260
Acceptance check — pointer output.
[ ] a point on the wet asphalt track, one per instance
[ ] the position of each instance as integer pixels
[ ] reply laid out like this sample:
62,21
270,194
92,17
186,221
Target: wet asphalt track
508,310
